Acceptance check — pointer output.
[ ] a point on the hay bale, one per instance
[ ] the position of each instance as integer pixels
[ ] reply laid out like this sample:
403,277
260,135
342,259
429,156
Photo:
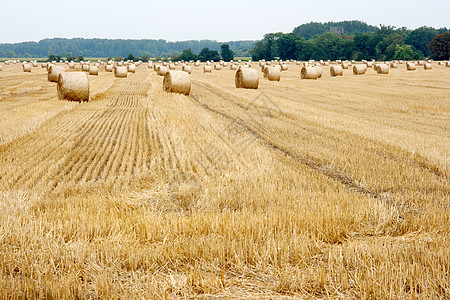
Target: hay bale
246,78
427,66
272,73
233,67
73,86
26,68
120,71
1,68
369,64
393,65
71,65
319,71
53,73
162,70
382,69
197,64
336,71
344,65
187,69
410,66
177,82
309,73
217,67
85,68
207,69
172,66
131,68
447,64
284,67
93,70
359,69
108,68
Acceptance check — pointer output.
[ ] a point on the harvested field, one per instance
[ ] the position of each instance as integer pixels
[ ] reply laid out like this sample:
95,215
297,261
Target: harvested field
329,188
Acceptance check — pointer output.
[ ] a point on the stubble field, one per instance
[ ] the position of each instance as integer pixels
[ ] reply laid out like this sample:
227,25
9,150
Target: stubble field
330,188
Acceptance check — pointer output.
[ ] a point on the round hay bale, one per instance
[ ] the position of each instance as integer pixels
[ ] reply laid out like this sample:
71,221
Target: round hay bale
150,64
272,73
187,69
336,71
71,65
410,66
393,65
73,86
44,65
344,65
131,68
53,73
197,64
207,69
369,64
93,70
172,66
284,67
427,66
120,71
108,68
309,73
85,68
217,67
447,64
26,67
420,63
382,69
1,68
319,71
162,70
177,82
233,67
246,78
359,69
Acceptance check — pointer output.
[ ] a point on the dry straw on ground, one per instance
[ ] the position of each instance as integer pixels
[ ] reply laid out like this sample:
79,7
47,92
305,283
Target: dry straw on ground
359,69
53,72
247,78
120,71
73,86
177,82
309,73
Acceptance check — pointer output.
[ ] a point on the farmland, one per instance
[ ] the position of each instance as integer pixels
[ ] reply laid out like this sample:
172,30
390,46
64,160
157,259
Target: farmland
337,187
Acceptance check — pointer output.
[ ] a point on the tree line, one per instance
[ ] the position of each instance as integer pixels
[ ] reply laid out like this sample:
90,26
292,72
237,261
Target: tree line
354,40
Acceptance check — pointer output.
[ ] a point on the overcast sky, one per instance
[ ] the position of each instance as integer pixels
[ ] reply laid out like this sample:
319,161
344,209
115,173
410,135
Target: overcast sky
177,20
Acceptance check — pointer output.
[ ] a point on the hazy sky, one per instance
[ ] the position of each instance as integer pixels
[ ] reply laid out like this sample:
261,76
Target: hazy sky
33,20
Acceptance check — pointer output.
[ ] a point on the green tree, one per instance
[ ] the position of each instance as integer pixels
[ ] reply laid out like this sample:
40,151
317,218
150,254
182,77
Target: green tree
10,54
130,57
310,30
289,45
420,38
52,57
226,53
79,58
188,55
440,46
404,52
206,54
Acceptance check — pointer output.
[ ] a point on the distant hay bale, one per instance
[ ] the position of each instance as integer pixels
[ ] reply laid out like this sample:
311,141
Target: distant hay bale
187,69
44,65
71,65
246,78
344,65
359,69
197,64
207,69
427,66
369,64
177,82
420,63
382,69
410,66
393,65
53,73
149,64
120,71
26,67
162,70
34,64
233,67
85,68
93,70
73,86
447,64
272,73
217,67
284,67
336,71
1,68
131,68
108,68
309,73
319,71
172,66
